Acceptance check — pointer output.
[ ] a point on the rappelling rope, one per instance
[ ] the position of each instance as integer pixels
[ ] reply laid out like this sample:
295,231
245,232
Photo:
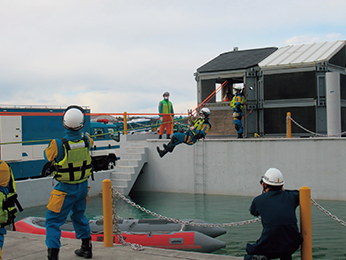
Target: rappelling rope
311,132
200,106
140,127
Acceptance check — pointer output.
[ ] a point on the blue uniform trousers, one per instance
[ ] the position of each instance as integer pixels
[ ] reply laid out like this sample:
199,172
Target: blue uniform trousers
180,138
238,123
74,202
2,236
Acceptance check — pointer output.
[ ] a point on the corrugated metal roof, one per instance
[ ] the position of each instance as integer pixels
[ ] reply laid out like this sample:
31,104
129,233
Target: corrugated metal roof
236,60
302,55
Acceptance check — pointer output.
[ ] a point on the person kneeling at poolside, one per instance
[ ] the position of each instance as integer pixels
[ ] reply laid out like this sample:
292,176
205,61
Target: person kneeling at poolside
280,236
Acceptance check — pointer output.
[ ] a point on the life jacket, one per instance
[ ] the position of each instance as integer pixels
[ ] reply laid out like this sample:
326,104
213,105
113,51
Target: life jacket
238,99
198,124
75,167
166,106
8,203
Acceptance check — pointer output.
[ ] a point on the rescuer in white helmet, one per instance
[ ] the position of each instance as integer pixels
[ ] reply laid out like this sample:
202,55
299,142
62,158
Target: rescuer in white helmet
198,129
71,167
237,104
276,206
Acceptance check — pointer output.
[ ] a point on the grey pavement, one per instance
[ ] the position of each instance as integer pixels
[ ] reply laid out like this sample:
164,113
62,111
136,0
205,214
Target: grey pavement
32,247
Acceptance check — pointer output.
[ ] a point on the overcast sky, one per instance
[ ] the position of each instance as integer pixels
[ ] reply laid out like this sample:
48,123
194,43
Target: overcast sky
117,56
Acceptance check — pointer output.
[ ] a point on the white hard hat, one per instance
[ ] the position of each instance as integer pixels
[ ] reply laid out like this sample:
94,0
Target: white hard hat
73,118
204,112
273,177
238,87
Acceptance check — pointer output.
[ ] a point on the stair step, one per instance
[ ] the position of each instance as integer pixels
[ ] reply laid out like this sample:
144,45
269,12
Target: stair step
129,166
127,162
135,149
122,176
132,156
121,169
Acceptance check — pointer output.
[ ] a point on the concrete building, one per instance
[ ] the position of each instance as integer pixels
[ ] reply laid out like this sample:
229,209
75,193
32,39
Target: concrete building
298,79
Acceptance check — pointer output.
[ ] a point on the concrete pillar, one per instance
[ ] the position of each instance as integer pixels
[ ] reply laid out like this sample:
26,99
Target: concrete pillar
333,103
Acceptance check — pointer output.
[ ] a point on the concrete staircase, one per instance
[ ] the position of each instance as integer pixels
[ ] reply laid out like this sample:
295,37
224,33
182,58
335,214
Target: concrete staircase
131,162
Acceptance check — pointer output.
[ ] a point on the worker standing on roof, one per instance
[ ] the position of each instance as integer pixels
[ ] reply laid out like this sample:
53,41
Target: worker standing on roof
166,115
237,105
71,167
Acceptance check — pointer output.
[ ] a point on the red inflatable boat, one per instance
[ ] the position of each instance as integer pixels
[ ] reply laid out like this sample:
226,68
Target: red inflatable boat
181,240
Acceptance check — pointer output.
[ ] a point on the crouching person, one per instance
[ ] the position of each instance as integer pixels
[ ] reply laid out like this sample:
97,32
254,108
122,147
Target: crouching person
280,236
71,167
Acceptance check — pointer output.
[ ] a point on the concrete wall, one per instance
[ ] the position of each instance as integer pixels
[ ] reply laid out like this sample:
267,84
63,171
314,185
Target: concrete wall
36,192
234,167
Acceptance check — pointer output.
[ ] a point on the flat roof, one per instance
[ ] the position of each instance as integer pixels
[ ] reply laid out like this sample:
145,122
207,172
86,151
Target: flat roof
301,55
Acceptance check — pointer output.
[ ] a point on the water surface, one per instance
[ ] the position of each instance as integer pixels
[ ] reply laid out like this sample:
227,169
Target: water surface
328,235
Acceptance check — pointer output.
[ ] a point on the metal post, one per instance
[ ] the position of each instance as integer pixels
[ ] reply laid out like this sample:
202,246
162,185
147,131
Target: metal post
125,123
305,222
107,212
289,126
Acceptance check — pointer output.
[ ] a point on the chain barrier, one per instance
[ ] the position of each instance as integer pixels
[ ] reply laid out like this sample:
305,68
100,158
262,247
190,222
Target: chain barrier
117,230
311,132
117,195
183,223
313,202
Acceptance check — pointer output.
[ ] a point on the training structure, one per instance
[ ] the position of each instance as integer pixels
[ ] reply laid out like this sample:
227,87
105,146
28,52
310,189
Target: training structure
299,79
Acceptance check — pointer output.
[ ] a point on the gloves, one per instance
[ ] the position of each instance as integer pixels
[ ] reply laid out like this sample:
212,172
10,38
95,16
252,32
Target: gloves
192,128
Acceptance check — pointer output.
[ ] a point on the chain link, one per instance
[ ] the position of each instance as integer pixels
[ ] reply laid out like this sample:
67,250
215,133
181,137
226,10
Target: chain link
117,230
313,202
313,133
117,195
183,223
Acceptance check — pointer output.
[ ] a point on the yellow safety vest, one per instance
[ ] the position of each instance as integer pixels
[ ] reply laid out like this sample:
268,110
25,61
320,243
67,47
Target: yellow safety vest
166,107
75,167
8,210
198,123
237,99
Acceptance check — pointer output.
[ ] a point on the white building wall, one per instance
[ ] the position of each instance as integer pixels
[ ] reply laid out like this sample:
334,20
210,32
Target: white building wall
234,167
36,192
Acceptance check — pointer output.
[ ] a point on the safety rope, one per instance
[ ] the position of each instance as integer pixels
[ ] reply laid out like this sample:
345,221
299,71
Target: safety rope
311,132
96,135
136,128
202,104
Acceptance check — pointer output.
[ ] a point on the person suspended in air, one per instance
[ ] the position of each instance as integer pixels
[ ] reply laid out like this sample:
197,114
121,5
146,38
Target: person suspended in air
198,129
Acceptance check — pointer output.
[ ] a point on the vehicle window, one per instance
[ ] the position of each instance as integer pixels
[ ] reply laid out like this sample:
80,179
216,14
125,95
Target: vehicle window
99,133
114,134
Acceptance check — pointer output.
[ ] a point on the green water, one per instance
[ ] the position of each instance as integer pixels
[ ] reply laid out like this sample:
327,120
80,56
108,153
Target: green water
328,235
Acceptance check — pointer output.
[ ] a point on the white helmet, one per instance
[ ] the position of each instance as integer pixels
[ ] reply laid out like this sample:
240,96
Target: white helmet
273,177
73,118
204,112
238,87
